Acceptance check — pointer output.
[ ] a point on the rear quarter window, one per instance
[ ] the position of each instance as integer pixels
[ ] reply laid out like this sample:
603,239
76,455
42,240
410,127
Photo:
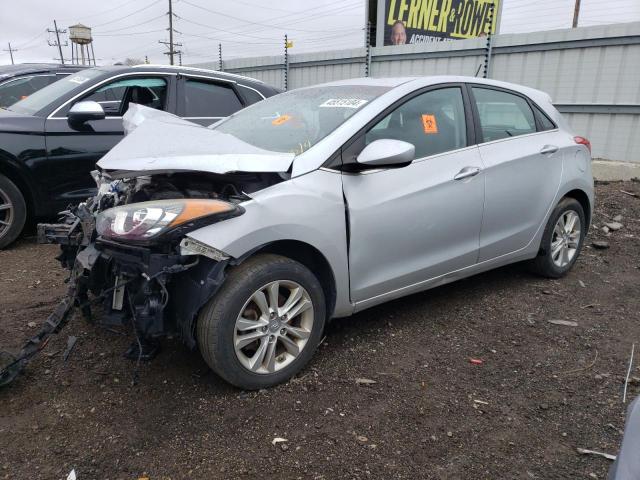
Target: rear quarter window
545,122
249,94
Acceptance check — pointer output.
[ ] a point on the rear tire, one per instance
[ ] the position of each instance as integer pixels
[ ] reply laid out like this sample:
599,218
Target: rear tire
562,240
13,212
284,337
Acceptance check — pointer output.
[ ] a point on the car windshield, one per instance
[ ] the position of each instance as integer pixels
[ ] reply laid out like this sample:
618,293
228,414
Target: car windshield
294,121
43,97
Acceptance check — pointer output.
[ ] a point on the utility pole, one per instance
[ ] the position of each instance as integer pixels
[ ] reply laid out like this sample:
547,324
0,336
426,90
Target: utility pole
11,50
171,32
576,14
57,42
220,57
171,51
171,44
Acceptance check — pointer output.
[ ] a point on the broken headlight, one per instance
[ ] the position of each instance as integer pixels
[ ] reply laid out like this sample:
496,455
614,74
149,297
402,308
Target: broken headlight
146,221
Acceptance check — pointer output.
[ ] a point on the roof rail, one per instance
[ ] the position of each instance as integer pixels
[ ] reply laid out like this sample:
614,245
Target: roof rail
196,69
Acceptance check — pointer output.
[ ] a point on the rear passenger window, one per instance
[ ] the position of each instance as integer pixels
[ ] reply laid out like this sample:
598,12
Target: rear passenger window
502,114
15,90
205,99
545,122
433,122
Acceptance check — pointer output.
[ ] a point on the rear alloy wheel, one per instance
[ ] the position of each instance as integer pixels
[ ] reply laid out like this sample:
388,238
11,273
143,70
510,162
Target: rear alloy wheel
264,323
13,212
565,238
562,240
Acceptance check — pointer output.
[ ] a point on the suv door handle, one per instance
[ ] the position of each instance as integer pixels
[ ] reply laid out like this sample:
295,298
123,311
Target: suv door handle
548,149
467,172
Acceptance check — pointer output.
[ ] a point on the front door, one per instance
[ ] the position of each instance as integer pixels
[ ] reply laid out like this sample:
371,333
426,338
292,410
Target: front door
412,224
74,150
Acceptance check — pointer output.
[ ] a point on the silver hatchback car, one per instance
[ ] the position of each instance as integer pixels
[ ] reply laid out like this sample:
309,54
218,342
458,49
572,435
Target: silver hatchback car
245,238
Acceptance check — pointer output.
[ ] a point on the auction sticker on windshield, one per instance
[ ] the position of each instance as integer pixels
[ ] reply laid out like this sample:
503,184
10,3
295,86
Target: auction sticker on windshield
343,103
281,119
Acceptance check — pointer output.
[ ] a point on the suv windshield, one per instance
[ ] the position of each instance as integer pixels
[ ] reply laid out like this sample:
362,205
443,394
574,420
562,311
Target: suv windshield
295,121
40,99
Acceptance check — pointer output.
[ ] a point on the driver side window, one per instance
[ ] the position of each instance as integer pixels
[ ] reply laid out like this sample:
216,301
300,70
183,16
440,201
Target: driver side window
434,122
115,97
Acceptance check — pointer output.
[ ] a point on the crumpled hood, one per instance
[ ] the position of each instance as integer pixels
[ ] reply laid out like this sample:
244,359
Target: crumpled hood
158,141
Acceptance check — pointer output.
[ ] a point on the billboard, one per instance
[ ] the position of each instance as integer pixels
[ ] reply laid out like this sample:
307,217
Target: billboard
426,21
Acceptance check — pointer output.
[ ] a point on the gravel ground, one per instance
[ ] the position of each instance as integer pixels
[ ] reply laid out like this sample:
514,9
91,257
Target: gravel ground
541,391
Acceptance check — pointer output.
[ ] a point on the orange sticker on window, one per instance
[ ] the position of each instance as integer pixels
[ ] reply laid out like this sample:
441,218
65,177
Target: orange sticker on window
281,119
429,124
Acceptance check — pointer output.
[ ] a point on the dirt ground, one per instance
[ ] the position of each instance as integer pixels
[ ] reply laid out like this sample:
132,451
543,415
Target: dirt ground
541,391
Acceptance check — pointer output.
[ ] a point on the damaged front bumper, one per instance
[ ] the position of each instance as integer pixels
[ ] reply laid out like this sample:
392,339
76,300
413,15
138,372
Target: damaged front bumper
157,290
162,292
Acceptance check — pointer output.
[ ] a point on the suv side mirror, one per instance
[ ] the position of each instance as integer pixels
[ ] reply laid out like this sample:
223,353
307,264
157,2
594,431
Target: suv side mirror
82,112
387,152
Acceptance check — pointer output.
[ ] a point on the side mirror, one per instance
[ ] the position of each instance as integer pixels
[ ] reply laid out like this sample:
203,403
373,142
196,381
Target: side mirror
386,152
82,112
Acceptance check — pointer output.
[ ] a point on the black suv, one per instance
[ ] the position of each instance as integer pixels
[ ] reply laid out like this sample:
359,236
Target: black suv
51,140
20,81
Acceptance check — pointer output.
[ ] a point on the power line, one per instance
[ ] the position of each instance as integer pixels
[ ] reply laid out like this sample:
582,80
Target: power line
127,15
104,11
253,5
132,26
256,36
248,22
222,30
41,34
128,33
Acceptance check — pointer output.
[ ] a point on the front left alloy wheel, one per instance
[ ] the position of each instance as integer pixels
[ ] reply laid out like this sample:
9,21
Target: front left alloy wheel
264,323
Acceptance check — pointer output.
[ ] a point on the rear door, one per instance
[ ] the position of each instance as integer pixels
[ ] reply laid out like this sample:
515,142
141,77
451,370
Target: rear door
74,150
205,100
523,167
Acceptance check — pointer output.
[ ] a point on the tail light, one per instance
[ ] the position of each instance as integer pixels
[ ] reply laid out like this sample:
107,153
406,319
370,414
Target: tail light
583,141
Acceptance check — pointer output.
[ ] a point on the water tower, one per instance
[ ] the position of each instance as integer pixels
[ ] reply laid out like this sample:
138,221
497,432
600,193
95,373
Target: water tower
81,45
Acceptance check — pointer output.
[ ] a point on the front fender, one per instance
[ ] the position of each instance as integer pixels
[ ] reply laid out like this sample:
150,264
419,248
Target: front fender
308,209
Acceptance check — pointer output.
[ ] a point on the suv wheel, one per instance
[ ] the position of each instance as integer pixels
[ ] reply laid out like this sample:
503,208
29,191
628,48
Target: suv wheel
264,323
562,240
13,211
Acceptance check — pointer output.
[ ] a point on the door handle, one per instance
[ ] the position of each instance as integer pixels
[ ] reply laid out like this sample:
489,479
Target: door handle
467,172
548,149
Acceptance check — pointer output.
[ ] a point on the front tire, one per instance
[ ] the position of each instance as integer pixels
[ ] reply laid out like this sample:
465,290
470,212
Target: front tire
562,240
264,324
13,212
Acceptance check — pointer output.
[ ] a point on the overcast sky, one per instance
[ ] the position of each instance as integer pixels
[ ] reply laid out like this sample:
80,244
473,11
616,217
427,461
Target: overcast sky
132,28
